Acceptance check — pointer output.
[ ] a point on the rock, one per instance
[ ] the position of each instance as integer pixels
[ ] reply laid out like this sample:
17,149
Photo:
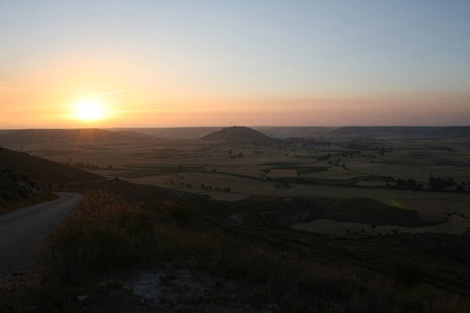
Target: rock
237,217
82,298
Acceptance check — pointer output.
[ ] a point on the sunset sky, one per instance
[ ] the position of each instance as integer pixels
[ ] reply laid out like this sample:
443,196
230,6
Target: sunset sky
219,63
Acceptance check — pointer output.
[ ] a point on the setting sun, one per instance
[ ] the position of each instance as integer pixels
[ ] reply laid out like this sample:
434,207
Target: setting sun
89,110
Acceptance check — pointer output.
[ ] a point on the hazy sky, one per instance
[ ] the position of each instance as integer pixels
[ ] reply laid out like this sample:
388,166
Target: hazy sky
198,63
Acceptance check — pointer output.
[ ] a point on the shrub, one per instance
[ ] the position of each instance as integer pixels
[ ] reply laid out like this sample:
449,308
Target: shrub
108,231
406,273
101,234
184,217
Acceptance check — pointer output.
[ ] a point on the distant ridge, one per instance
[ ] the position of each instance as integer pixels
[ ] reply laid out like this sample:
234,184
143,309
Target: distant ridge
89,135
454,131
238,135
294,131
173,132
373,131
42,170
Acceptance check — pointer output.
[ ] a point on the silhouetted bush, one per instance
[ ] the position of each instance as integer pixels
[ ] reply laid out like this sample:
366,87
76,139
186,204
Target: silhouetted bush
406,273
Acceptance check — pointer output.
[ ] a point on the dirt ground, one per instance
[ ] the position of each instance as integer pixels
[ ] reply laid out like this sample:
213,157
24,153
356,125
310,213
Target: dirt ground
172,289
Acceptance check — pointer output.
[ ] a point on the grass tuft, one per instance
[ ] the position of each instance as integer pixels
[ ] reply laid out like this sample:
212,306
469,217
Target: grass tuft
103,233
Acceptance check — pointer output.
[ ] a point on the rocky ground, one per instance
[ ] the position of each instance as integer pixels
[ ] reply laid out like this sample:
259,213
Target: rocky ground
172,289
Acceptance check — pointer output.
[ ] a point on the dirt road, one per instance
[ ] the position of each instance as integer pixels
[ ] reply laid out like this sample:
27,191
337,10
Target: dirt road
23,230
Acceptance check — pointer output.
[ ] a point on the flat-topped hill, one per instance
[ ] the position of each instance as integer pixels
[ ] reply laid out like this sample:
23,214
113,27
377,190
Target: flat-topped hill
238,135
41,170
426,131
454,131
89,135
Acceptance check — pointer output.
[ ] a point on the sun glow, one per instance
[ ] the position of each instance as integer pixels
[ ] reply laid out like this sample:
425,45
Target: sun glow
89,110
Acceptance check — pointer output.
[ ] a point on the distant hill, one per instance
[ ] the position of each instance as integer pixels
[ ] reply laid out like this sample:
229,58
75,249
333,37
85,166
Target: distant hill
42,171
237,135
198,132
407,131
454,131
88,135
173,132
293,131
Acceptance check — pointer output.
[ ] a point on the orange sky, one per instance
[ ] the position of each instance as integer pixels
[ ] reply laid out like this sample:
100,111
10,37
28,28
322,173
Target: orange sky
131,97
155,65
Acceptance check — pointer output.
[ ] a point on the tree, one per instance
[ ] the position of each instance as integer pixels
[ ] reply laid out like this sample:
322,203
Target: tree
437,183
399,183
411,184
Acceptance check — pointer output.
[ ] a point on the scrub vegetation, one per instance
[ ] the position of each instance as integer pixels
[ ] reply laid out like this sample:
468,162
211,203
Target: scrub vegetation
148,227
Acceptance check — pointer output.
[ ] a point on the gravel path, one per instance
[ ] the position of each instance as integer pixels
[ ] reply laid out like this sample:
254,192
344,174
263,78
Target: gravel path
23,230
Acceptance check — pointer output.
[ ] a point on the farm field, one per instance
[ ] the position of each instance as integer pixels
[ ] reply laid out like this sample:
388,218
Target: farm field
455,226
338,167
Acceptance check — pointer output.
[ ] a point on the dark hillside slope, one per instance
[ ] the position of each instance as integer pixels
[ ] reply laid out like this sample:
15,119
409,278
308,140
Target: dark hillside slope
41,170
14,187
237,135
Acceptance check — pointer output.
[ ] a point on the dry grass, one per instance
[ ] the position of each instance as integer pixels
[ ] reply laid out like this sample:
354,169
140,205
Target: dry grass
109,232
105,232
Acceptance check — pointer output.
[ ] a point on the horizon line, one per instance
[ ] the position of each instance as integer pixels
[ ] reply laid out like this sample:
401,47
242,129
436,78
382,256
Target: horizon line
299,126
